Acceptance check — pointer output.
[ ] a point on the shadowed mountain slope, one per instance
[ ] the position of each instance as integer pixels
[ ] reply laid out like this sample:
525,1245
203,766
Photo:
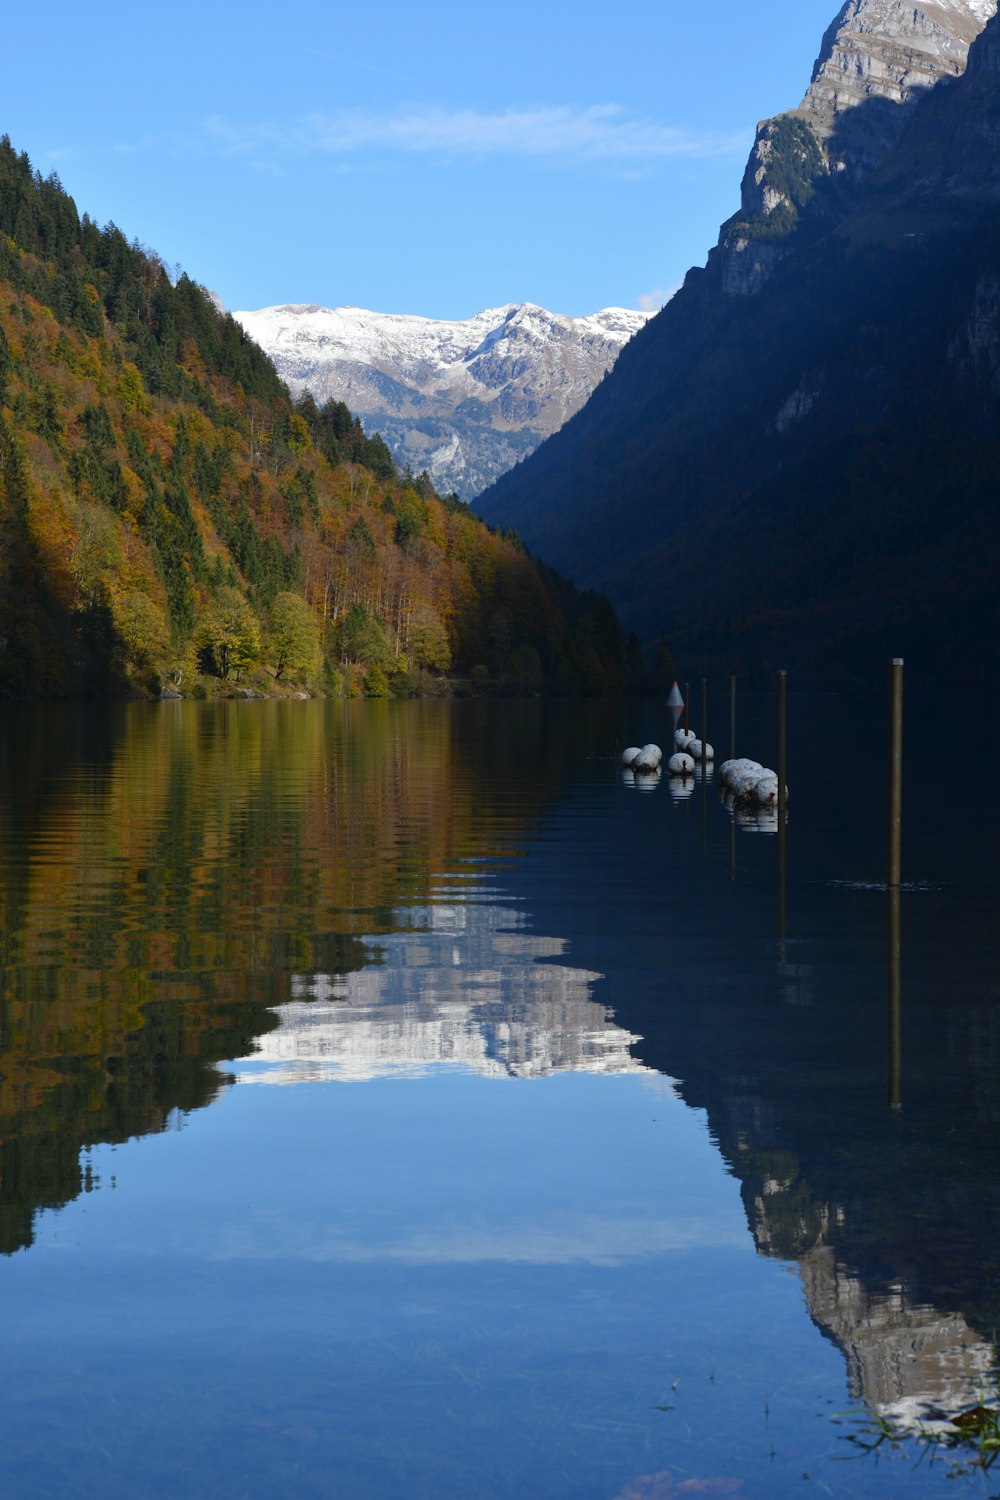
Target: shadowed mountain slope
796,463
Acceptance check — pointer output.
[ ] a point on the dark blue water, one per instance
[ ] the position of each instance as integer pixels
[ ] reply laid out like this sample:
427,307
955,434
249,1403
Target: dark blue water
394,1101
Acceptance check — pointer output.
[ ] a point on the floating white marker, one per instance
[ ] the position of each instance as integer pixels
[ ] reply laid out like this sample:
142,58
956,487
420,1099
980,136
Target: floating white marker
676,698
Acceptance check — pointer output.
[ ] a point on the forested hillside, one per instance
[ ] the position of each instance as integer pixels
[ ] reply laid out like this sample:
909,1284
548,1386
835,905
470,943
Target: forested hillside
171,520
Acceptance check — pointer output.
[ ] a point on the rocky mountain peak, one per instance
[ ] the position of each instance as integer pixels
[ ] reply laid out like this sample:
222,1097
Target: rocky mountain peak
823,451
886,52
877,59
463,399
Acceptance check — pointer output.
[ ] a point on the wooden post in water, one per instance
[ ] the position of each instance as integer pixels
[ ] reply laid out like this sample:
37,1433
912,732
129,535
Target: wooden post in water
895,772
704,758
782,747
893,879
895,996
782,807
732,718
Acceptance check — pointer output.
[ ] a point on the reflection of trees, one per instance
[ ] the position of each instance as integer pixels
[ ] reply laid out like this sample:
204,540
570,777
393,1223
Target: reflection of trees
103,1066
167,868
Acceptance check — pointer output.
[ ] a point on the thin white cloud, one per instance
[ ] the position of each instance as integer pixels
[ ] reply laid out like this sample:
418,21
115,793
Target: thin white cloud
651,302
600,132
564,1240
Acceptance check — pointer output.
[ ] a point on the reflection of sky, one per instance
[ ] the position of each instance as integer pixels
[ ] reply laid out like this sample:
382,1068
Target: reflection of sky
546,1174
460,986
456,1287
483,1270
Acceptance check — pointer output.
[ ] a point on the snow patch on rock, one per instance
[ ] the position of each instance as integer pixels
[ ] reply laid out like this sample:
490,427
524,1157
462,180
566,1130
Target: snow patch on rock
464,399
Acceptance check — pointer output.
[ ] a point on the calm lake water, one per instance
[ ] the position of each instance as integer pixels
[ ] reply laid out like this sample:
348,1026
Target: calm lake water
394,1102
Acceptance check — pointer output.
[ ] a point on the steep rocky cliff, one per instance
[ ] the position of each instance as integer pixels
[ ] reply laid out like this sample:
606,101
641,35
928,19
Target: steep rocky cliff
883,55
805,474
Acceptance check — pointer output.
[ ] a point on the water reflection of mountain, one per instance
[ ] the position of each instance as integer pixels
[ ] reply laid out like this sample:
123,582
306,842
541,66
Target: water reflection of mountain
463,986
166,871
892,1214
902,1355
177,881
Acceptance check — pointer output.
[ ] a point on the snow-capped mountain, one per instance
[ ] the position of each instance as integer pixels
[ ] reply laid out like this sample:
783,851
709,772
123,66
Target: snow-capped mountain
463,400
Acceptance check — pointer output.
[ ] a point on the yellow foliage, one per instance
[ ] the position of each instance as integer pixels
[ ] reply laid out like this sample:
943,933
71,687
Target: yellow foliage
298,434
132,391
142,626
136,496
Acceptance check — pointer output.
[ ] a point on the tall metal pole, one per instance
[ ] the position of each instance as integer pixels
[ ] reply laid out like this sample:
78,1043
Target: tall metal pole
895,772
687,699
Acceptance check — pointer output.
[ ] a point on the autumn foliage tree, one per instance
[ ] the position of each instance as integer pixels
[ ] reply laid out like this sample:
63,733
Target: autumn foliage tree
293,638
167,511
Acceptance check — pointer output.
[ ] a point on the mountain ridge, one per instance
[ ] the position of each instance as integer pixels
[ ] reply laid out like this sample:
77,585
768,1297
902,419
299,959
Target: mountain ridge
764,476
462,398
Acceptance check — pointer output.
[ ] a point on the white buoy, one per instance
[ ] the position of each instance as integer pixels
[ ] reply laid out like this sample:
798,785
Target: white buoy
731,768
680,765
765,792
751,793
648,759
631,755
743,781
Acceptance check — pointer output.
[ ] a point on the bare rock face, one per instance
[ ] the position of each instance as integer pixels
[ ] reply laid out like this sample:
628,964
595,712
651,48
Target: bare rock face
902,1356
463,400
890,50
877,59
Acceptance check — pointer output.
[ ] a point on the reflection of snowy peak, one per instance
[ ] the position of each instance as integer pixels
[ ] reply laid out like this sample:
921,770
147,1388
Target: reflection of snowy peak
463,989
464,400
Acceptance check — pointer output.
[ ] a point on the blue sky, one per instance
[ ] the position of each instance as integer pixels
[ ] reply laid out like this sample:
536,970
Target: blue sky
431,158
